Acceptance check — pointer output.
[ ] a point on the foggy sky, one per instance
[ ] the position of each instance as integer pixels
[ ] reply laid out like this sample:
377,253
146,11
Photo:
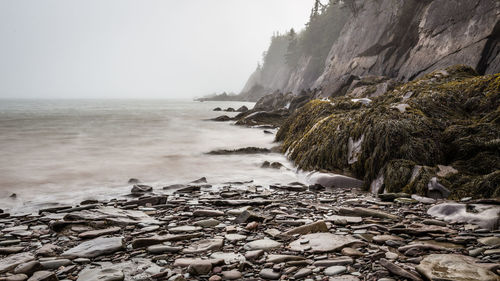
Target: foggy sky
136,48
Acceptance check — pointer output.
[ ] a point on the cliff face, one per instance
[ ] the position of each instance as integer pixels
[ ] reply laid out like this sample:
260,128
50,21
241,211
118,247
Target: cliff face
401,40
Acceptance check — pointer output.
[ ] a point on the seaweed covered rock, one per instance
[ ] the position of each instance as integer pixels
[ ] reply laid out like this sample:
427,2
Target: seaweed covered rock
450,118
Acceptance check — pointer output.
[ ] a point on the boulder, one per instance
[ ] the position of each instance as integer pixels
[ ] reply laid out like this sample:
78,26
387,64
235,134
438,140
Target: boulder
437,267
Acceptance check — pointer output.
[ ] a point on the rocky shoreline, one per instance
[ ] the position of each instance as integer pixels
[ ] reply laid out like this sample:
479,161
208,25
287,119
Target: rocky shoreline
247,232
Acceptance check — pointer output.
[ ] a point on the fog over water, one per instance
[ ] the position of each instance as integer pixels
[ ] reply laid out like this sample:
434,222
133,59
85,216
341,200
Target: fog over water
136,49
66,151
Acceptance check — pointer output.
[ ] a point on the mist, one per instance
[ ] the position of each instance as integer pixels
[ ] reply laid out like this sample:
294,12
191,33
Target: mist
136,49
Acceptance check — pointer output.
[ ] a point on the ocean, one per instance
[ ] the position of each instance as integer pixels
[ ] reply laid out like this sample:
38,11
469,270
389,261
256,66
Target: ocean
56,152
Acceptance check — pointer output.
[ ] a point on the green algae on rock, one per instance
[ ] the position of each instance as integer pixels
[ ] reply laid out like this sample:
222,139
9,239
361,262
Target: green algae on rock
451,118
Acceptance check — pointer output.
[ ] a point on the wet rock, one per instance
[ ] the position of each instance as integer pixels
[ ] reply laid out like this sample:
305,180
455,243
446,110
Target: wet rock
249,216
139,189
263,244
303,272
134,180
489,241
229,109
389,197
99,232
222,118
43,276
245,150
101,274
217,109
203,246
335,181
242,109
321,242
200,180
319,226
486,216
10,262
454,267
96,247
269,274
436,190
424,200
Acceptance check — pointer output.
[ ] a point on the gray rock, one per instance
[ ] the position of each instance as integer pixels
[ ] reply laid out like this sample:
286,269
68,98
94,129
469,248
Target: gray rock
161,249
269,274
303,272
55,264
141,189
231,275
207,213
365,212
96,247
99,232
436,190
43,276
97,274
113,216
207,223
10,262
232,237
16,277
319,226
335,270
263,244
204,246
321,242
228,258
454,267
184,229
334,181
28,268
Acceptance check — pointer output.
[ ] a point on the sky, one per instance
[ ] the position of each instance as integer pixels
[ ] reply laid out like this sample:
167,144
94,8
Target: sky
136,48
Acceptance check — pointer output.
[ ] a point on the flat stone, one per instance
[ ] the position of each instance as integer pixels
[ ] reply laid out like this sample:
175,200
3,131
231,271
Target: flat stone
346,219
383,238
55,264
269,274
184,229
334,181
10,262
43,276
203,246
365,212
301,273
399,271
283,258
99,232
148,241
321,242
232,237
48,250
351,252
334,270
263,244
253,255
161,249
207,223
28,268
185,262
10,250
333,262
113,216
454,267
228,258
16,277
207,213
345,278
96,247
98,274
319,226
231,275
489,241
250,216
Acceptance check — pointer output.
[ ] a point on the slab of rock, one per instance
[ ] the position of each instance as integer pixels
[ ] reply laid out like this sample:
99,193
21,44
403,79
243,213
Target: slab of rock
397,270
343,219
140,189
228,258
113,216
203,246
249,216
335,270
184,229
233,237
185,262
321,242
10,262
43,276
489,241
148,241
161,249
99,232
95,247
207,213
283,258
365,212
454,267
10,250
48,250
263,244
301,273
207,223
319,226
486,216
101,274
269,274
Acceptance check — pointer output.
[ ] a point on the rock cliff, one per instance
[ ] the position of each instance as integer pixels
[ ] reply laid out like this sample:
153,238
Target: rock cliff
398,39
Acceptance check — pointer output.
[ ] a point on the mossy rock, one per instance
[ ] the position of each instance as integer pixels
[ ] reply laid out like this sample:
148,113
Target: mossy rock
452,118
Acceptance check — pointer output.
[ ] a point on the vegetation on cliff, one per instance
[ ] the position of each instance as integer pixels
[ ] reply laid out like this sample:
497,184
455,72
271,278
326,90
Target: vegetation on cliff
445,125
